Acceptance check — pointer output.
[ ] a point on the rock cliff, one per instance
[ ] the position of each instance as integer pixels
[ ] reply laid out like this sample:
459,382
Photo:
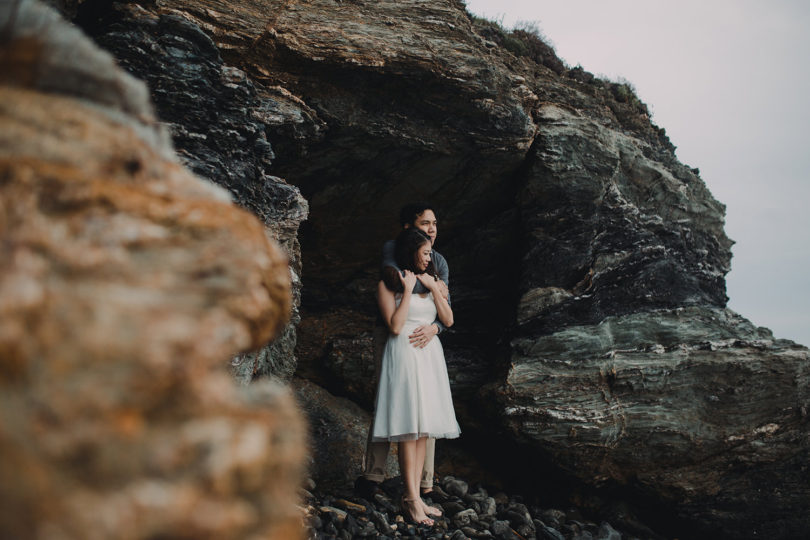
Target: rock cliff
587,263
126,285
218,120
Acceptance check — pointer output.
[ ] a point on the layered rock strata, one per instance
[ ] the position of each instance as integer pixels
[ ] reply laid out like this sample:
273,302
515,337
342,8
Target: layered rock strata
587,263
219,121
126,284
625,367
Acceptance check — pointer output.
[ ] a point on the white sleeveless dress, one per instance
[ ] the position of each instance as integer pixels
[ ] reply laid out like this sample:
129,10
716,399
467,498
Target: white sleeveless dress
413,396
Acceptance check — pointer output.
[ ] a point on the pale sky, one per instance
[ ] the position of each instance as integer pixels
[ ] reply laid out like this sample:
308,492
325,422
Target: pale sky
729,80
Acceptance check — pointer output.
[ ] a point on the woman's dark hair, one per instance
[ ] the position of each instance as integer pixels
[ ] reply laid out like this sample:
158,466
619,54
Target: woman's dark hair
390,276
406,247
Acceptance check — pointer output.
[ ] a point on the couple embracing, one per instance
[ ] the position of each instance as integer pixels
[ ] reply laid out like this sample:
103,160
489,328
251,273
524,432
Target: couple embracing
414,406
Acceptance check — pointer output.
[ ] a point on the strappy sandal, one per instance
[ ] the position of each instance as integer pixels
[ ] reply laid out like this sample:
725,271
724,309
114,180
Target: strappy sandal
406,510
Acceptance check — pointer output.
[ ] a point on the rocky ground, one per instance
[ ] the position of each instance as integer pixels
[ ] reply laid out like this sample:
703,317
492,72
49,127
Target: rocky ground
470,511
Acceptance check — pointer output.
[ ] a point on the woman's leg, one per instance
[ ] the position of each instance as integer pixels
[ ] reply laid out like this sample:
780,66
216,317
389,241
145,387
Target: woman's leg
411,460
421,453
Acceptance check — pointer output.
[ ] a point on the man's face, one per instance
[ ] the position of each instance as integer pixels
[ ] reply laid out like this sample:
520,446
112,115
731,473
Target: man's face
426,222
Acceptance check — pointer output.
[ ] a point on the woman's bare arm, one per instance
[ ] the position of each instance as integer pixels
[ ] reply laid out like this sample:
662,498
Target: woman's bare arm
393,315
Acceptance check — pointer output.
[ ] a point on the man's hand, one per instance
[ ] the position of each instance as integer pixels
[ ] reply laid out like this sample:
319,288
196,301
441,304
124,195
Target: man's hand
436,286
422,335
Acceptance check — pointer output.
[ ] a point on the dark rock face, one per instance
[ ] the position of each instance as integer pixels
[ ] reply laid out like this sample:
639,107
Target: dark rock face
621,231
219,122
587,264
624,366
678,403
434,115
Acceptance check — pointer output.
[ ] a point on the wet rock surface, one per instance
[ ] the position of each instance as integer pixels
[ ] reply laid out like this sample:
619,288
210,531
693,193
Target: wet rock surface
477,513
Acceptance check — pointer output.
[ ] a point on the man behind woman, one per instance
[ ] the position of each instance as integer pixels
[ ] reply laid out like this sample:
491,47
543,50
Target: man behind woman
419,215
413,395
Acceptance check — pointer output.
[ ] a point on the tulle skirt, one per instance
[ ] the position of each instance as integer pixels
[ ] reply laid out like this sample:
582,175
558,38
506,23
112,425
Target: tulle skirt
413,396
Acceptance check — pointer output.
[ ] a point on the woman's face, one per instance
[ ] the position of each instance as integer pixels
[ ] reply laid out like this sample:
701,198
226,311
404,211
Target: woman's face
422,257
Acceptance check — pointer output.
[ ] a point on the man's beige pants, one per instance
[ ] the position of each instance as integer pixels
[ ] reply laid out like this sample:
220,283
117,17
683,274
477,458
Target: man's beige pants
377,452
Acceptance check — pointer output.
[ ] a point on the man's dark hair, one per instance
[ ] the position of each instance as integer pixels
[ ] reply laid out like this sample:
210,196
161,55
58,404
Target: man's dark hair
411,211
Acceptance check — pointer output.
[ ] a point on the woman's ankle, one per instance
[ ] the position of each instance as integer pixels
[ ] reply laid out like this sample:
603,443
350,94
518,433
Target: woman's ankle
415,510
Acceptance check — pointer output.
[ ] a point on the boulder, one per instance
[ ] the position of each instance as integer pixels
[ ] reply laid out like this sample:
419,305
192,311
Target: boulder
680,404
338,432
126,284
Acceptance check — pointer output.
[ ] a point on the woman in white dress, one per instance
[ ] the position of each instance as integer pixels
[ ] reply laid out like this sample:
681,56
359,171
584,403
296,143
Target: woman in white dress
413,396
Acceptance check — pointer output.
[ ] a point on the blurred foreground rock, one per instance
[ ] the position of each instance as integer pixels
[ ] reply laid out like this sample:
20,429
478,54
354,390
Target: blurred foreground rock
126,284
